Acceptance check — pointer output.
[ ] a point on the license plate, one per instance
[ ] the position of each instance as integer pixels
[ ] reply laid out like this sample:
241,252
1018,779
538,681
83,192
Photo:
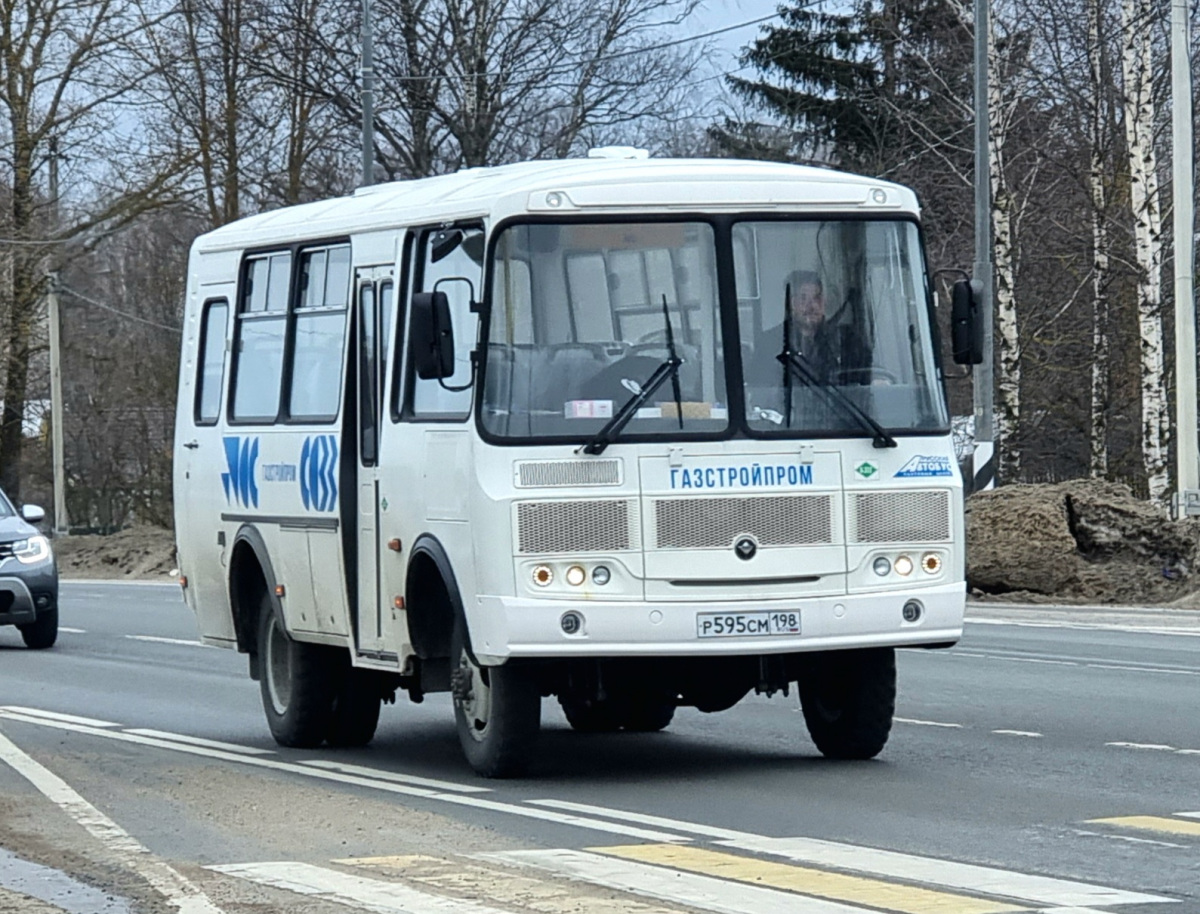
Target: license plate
741,625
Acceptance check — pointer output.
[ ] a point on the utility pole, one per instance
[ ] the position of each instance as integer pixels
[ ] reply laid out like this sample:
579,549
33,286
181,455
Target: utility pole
368,97
61,523
983,461
1187,461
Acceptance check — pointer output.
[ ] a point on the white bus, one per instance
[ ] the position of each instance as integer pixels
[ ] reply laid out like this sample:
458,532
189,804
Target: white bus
634,433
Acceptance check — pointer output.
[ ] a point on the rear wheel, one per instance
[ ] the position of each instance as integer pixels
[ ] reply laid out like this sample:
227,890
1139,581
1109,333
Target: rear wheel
42,632
848,699
497,710
298,683
648,714
588,716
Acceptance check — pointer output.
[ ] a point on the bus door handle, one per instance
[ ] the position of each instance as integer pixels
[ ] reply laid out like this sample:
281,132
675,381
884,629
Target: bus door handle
191,445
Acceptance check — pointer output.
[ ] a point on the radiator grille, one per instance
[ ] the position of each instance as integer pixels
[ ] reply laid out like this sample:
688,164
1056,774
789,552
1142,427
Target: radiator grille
6,550
592,525
900,517
545,473
714,523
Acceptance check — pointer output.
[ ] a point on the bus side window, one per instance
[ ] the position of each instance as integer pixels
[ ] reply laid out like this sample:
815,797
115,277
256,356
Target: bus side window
262,325
429,397
210,377
320,335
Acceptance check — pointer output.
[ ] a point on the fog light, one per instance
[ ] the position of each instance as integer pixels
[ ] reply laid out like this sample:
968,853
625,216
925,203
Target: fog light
904,566
543,575
912,611
571,622
931,562
882,566
601,575
575,575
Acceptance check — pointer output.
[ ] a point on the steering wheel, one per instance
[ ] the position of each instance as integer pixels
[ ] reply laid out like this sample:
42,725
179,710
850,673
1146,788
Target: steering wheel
654,336
872,374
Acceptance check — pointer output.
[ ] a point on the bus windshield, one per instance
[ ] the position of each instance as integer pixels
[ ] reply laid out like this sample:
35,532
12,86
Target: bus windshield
846,300
579,326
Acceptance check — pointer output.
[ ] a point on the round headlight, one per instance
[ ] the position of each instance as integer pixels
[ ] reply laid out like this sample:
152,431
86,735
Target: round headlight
931,562
882,566
543,575
575,575
904,566
601,575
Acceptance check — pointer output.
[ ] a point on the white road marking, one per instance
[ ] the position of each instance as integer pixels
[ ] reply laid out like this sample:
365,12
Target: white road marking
172,885
65,718
1091,626
1125,668
1155,746
1189,815
705,892
617,828
926,723
198,741
1127,838
157,640
396,777
1028,733
1033,660
949,874
361,892
63,630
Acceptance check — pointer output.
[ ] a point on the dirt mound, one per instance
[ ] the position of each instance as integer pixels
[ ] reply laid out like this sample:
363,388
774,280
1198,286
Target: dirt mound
139,553
1082,541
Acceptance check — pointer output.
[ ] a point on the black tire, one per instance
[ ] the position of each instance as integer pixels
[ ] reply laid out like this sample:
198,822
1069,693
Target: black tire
649,715
586,716
298,683
355,710
848,699
42,632
497,710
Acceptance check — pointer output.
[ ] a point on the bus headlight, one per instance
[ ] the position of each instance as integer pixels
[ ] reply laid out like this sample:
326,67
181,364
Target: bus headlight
576,575
601,575
882,566
903,566
31,551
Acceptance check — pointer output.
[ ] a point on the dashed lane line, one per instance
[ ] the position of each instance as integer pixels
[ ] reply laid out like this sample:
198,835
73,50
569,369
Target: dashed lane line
56,716
926,723
199,741
155,639
1027,733
167,881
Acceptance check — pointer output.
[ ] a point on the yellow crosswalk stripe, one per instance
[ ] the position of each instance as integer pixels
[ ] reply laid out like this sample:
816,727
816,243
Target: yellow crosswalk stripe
1152,823
889,896
461,879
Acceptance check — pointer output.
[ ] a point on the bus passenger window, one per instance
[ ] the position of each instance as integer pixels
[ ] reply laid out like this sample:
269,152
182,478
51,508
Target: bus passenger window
262,325
316,375
211,359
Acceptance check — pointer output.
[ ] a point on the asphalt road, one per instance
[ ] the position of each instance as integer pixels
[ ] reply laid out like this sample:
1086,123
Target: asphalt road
1057,744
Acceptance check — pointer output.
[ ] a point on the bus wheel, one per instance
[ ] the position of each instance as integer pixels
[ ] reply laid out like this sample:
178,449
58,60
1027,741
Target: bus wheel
848,699
590,716
649,715
355,710
497,709
297,683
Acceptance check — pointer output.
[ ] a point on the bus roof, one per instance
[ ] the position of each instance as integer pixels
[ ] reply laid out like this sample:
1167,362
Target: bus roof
570,187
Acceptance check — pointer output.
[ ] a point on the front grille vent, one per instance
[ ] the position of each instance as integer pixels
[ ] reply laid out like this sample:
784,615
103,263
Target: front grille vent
714,523
589,525
548,473
6,551
900,517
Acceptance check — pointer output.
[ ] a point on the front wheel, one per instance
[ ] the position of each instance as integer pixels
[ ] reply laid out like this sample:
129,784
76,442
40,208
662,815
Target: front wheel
497,710
42,632
298,683
649,715
848,699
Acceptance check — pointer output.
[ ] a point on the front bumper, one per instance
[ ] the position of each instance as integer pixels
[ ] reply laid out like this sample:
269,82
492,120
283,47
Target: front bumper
508,627
33,589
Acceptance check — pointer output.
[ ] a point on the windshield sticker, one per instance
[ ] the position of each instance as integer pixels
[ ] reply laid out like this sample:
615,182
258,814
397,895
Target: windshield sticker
754,476
867,469
926,466
588,409
241,457
318,472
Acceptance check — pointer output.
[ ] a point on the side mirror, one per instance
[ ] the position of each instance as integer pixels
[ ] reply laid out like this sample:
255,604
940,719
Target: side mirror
966,322
432,335
33,514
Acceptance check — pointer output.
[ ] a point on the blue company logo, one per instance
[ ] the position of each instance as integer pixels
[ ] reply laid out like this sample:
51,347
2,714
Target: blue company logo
318,472
753,476
241,455
926,466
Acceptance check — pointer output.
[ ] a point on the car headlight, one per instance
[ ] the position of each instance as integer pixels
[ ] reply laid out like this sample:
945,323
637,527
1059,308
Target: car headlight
31,551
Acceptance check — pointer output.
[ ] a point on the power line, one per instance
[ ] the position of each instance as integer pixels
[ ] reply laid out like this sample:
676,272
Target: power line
87,300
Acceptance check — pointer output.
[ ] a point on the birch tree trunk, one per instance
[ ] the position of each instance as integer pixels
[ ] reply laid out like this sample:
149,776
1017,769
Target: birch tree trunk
1098,464
1144,199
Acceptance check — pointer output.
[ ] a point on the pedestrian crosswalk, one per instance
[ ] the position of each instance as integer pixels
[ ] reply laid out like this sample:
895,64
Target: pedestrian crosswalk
789,876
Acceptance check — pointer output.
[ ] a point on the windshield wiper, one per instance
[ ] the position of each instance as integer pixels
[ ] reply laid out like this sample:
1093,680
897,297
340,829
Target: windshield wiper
794,364
668,369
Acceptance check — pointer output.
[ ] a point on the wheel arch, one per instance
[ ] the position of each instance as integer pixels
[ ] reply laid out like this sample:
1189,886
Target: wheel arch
250,576
432,598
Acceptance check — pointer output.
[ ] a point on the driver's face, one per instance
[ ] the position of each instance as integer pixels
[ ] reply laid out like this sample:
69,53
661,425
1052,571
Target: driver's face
808,306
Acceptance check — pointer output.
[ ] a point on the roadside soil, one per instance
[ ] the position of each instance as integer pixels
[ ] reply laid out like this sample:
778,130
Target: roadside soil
139,553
